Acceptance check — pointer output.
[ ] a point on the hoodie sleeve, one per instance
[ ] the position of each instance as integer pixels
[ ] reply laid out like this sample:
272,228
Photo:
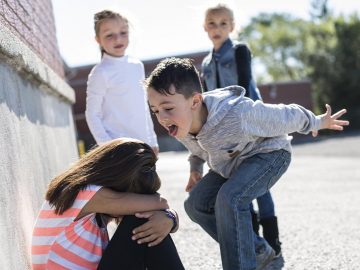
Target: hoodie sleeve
197,156
196,163
270,120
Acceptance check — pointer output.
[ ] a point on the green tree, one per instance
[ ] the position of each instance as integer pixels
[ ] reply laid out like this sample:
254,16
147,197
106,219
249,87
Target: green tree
335,66
320,59
278,42
325,50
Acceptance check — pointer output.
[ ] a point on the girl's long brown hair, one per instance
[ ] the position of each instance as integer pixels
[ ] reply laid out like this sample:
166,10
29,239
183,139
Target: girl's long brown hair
123,165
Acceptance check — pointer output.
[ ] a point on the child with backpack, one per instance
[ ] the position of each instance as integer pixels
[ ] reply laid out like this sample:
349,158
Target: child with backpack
229,63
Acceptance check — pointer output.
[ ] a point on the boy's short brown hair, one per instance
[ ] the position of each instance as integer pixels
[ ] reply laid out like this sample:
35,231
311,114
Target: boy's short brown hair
179,72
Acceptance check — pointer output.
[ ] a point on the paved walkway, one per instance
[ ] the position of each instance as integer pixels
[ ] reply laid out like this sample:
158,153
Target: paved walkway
317,203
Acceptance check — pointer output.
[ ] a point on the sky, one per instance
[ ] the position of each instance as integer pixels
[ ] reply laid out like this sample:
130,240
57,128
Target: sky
162,27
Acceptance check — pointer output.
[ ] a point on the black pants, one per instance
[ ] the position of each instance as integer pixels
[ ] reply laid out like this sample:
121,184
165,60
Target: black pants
123,253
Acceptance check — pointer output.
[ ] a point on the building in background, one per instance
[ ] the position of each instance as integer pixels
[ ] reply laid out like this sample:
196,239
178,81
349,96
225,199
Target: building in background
77,78
37,134
282,92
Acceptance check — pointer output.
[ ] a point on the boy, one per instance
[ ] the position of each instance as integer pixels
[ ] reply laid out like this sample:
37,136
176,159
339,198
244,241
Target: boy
244,143
229,63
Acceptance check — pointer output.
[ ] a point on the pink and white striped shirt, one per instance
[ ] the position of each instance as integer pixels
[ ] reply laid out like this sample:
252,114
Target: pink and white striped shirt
59,242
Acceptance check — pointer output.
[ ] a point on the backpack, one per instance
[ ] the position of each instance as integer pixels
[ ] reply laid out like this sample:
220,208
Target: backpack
243,66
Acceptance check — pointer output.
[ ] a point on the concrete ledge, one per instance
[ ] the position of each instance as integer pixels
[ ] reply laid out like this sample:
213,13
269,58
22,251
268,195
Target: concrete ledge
27,63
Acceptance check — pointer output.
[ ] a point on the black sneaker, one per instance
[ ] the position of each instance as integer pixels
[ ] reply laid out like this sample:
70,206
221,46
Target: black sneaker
277,248
264,256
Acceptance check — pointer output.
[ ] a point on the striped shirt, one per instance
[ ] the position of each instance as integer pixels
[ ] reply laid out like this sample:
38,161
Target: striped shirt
59,242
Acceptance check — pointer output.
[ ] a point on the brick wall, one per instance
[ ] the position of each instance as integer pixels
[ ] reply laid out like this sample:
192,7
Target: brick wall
33,22
298,92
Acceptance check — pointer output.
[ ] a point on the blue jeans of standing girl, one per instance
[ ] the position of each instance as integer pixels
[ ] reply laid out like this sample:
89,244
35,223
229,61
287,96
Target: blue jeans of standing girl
265,206
221,206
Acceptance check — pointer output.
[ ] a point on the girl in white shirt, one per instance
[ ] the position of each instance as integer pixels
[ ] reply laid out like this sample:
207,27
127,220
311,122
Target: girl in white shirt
116,103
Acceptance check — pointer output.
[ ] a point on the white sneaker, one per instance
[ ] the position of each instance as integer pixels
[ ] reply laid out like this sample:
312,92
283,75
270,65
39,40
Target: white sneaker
264,256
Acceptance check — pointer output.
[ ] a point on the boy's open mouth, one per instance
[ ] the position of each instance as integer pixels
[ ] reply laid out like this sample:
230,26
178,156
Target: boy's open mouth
172,130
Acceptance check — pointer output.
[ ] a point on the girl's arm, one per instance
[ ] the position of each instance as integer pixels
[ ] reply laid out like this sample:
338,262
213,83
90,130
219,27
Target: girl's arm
95,93
149,122
107,201
151,132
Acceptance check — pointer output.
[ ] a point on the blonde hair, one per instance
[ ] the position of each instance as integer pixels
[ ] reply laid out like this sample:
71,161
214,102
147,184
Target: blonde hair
220,8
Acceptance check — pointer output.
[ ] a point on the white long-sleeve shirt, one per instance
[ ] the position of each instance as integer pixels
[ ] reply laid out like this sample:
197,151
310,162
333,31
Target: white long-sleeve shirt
116,102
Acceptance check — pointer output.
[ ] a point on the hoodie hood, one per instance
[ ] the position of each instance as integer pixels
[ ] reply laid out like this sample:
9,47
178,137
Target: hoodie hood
218,103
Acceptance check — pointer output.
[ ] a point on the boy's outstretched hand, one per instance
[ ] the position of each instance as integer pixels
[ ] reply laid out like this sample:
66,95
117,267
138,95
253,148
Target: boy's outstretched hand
329,121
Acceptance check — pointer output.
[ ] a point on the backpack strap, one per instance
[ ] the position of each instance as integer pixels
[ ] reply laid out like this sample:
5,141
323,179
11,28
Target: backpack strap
203,83
205,62
243,66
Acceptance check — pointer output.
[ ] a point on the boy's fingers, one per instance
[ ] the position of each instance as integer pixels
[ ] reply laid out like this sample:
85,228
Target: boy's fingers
340,128
341,122
189,185
335,127
314,133
339,113
328,109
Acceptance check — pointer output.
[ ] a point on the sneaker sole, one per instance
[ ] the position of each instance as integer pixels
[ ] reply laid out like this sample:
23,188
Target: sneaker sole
277,255
267,261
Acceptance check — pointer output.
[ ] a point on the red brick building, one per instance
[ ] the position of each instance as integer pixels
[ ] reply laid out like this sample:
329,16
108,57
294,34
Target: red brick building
33,23
285,92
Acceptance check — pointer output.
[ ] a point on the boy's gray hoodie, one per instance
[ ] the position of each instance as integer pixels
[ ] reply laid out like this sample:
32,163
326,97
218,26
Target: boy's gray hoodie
237,128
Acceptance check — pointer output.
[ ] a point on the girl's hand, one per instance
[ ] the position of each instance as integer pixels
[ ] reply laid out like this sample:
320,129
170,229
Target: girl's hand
153,231
329,121
193,179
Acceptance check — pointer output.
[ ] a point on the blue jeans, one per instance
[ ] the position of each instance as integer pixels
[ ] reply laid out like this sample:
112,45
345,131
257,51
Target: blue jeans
265,206
221,206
